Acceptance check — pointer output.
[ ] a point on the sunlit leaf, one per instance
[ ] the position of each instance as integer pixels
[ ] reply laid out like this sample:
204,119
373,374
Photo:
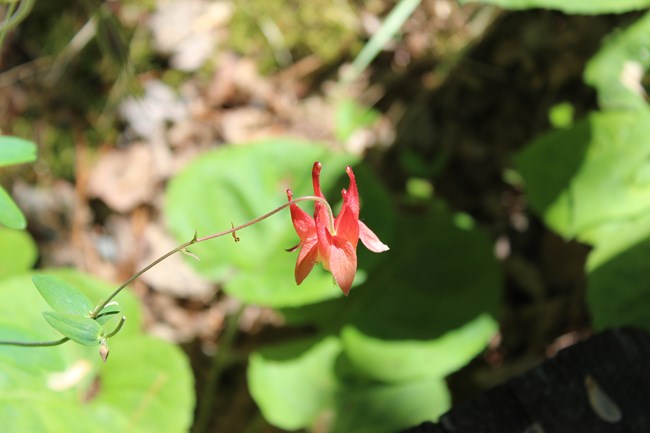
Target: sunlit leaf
17,252
601,173
15,150
236,184
389,408
293,384
83,330
146,385
618,291
437,277
403,360
62,297
10,214
572,6
617,70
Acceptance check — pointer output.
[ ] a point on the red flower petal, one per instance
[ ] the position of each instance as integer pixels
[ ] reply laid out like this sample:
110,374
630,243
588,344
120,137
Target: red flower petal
347,225
302,222
315,179
307,258
324,235
370,239
351,197
343,263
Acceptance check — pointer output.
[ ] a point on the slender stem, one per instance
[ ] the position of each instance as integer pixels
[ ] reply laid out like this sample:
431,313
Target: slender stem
181,247
117,328
13,19
271,213
101,306
34,344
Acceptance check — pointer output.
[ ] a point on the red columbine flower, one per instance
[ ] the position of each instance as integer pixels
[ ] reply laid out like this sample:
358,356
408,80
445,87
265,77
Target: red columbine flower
333,243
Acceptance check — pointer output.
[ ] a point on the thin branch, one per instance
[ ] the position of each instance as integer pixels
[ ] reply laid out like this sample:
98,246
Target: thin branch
34,344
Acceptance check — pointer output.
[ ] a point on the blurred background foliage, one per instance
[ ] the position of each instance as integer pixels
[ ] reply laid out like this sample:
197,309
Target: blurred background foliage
501,155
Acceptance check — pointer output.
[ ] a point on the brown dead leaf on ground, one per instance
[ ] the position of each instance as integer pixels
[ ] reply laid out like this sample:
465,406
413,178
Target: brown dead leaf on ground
125,178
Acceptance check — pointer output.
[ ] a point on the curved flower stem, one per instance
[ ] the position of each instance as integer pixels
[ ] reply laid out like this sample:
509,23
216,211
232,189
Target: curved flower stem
268,214
103,304
195,240
35,343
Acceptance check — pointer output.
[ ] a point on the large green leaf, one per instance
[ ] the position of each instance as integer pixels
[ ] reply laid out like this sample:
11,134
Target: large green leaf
17,252
236,184
295,383
389,408
15,150
617,70
614,237
600,173
420,316
10,214
303,384
146,385
571,6
403,360
619,290
62,297
437,278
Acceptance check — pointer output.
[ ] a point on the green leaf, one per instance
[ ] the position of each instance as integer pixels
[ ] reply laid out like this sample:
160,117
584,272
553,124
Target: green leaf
295,383
14,150
437,278
614,237
570,7
10,214
619,290
236,184
62,297
83,330
380,408
618,68
403,360
600,173
300,384
17,252
146,386
424,313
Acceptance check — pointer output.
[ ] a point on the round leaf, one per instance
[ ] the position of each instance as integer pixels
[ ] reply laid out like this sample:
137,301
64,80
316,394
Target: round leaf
617,70
380,408
294,383
236,184
17,252
146,385
600,172
10,214
403,360
437,277
619,291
